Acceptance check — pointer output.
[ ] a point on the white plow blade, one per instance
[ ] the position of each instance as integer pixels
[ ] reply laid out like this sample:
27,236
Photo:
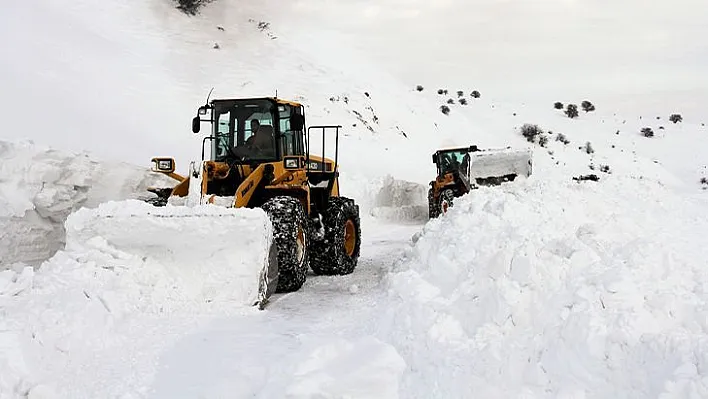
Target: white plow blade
500,162
208,253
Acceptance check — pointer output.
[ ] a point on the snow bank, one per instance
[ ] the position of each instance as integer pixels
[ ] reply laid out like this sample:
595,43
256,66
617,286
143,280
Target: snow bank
39,188
400,201
387,198
131,275
551,289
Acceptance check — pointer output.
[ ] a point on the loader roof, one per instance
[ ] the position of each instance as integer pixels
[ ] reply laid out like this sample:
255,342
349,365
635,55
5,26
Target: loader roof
274,99
467,148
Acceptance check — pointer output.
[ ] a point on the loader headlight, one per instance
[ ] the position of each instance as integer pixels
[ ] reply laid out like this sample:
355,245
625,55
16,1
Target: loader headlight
291,163
165,165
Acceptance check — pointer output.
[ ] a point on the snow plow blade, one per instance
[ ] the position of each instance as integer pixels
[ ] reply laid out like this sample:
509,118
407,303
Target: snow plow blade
492,166
207,253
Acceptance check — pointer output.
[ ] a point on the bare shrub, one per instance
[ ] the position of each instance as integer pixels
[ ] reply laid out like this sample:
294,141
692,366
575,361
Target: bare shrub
531,131
571,111
561,137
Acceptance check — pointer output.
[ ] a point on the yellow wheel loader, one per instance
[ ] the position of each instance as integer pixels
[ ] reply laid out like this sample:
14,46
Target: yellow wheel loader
261,158
463,169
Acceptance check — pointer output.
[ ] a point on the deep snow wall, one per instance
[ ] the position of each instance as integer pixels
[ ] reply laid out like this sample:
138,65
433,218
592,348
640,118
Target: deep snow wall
40,187
557,289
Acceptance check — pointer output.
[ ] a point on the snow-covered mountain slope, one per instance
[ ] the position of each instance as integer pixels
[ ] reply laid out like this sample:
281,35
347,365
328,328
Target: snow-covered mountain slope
550,288
632,57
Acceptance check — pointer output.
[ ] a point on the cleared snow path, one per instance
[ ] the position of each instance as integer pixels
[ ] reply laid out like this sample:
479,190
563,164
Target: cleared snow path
317,341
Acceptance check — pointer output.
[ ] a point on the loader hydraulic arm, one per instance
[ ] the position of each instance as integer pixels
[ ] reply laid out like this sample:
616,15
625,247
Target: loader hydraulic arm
245,190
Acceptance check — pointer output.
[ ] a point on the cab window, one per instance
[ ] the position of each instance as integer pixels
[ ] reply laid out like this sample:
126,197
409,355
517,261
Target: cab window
291,141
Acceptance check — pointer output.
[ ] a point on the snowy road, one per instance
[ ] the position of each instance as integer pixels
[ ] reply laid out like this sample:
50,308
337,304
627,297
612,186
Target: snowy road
284,351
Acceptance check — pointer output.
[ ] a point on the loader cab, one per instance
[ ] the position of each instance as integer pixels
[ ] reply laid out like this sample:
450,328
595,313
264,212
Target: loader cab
252,131
453,160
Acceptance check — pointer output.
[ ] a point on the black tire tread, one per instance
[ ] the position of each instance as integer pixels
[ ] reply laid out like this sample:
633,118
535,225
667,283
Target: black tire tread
286,214
328,256
448,195
433,209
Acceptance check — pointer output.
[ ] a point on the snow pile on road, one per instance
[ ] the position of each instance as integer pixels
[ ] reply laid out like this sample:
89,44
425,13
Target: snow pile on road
40,187
199,254
557,289
115,281
393,200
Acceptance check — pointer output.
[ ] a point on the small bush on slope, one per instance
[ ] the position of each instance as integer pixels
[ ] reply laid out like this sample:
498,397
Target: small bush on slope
561,137
587,106
530,132
588,148
572,111
542,140
647,132
191,7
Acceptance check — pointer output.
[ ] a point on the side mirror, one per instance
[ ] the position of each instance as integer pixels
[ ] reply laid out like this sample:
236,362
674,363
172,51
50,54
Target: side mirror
297,122
196,124
163,165
435,158
473,148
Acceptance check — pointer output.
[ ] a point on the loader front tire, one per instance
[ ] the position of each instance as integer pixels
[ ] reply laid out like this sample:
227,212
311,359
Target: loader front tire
445,201
290,236
338,252
433,209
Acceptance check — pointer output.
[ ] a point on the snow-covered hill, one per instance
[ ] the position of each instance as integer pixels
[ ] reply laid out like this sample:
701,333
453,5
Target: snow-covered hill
548,288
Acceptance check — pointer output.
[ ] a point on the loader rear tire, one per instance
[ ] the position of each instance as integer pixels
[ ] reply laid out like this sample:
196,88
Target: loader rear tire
291,238
338,252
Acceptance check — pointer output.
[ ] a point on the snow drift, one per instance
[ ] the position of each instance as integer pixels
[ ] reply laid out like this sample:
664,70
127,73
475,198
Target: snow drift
127,266
397,200
40,187
557,289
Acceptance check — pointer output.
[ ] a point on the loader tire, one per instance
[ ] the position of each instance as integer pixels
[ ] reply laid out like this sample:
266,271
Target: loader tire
291,238
445,201
337,253
432,206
